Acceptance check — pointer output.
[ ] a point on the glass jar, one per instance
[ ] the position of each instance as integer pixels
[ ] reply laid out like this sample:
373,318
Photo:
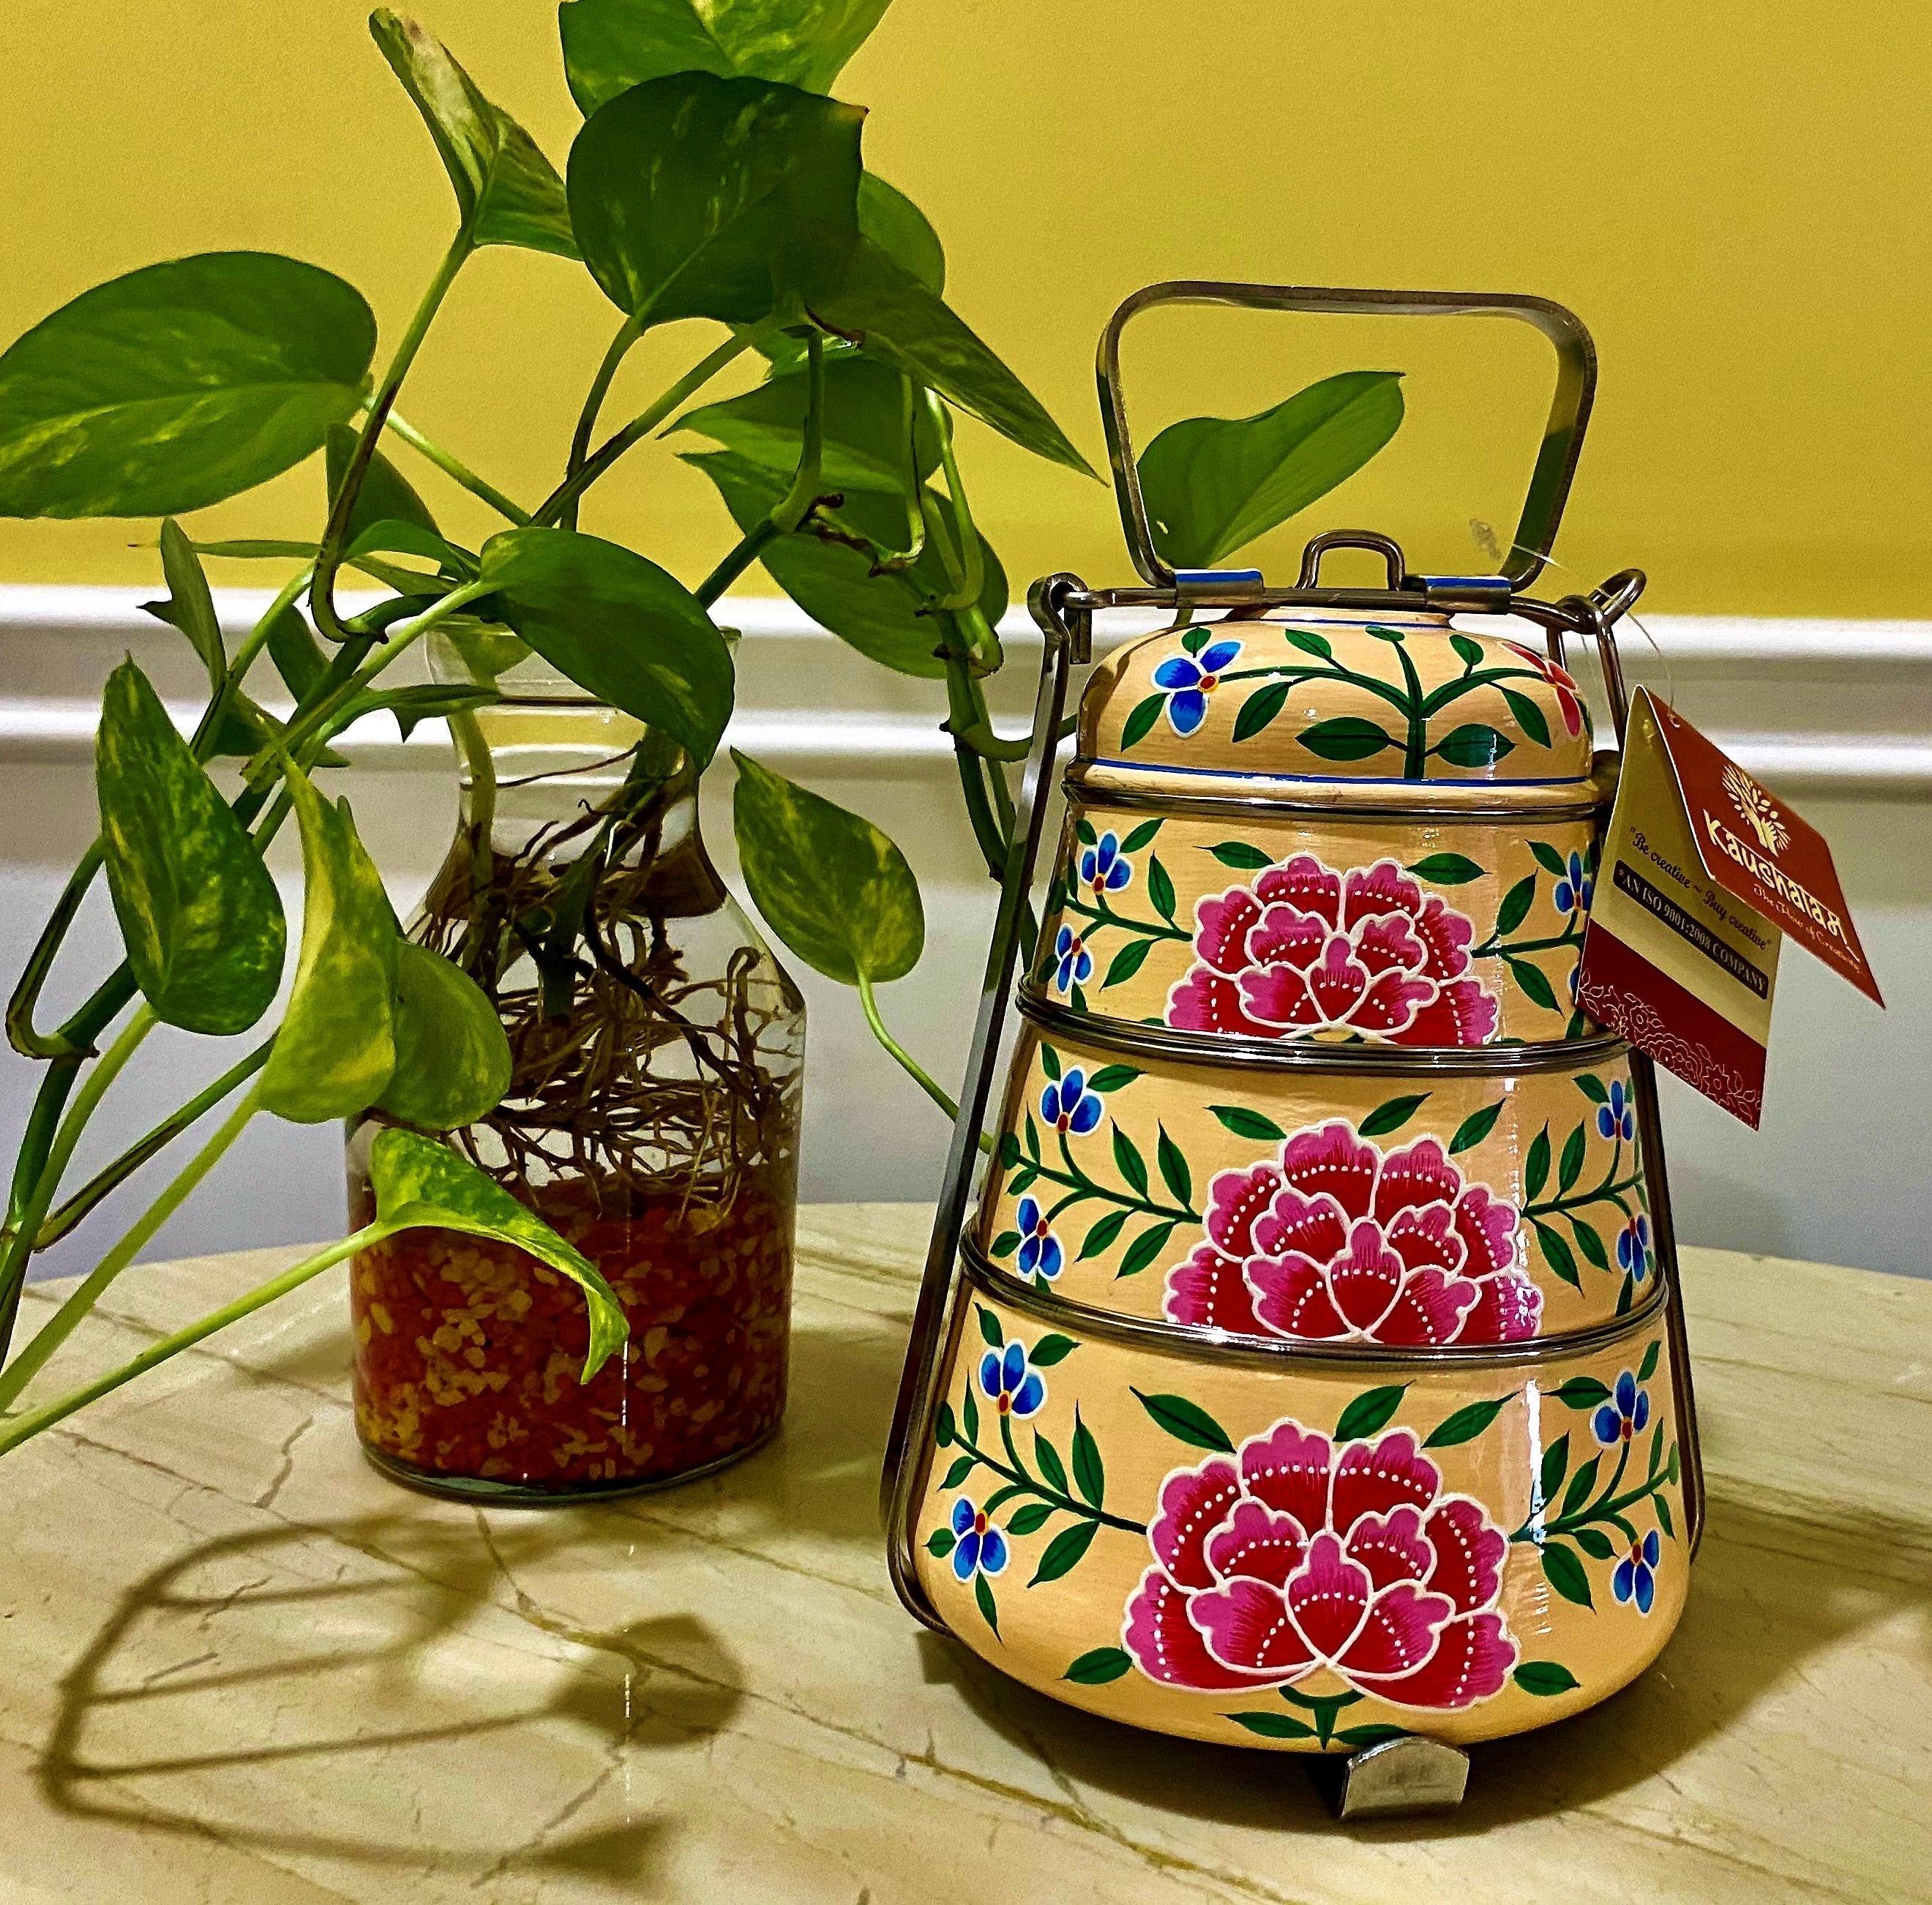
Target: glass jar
651,1120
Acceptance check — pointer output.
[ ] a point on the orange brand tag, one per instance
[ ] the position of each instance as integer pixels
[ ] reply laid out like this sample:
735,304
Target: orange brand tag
1703,872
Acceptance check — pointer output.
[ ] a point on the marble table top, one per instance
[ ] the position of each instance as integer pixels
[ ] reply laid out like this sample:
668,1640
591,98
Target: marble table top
237,1665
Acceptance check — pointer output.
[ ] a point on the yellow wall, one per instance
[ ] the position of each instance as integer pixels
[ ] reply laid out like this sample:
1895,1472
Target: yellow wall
1732,194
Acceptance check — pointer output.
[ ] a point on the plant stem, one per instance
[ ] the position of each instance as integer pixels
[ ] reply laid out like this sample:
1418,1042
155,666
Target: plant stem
328,557
452,466
560,505
22,1428
62,1323
916,1071
628,332
1021,1479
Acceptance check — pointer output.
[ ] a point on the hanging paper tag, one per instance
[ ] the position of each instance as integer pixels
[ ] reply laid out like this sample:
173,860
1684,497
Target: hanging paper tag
1703,871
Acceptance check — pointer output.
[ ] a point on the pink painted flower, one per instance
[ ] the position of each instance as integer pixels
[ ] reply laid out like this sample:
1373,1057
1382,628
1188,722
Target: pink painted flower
1291,1556
1569,696
1339,1240
1307,950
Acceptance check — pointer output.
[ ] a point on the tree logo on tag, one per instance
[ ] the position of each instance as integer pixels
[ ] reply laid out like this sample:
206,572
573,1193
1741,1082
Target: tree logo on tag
1759,811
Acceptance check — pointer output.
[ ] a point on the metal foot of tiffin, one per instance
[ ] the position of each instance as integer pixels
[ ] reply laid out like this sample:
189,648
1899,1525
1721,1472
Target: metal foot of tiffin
1412,1774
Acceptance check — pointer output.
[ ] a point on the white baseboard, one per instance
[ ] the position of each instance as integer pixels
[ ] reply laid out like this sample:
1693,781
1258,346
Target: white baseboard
1837,708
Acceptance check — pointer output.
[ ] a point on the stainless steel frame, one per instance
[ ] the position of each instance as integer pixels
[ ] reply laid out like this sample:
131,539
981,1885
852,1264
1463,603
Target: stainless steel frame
1064,607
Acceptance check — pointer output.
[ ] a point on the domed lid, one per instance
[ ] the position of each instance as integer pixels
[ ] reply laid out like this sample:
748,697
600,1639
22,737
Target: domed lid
1337,696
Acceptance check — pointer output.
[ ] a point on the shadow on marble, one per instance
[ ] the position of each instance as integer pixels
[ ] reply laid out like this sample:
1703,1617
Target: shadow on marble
198,1654
1756,1614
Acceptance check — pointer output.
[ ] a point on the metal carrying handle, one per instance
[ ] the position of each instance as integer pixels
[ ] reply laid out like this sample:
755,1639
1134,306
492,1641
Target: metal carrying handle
1562,437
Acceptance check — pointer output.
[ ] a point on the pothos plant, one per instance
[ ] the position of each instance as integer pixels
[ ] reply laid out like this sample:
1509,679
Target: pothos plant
715,179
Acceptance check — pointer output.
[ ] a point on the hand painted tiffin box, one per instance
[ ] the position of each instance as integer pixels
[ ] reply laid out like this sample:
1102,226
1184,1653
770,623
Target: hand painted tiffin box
1312,1375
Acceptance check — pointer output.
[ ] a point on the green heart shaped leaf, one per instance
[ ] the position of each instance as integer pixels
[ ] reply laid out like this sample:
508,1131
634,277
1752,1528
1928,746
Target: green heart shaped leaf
851,285
609,46
684,190
421,1184
452,1056
507,192
190,606
387,495
828,883
200,916
178,385
626,631
833,582
901,230
336,1046
1212,484
866,427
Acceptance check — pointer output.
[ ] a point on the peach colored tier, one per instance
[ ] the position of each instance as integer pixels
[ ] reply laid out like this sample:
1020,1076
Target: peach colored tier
239,1666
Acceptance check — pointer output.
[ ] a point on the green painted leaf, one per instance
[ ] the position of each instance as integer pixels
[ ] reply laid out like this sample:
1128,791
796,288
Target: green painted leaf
1273,1726
1238,854
1051,1466
1100,1239
609,46
621,628
190,606
1111,1077
419,1182
990,1331
1369,1411
1467,1423
1571,1167
1469,652
1474,745
1588,1242
1214,483
1346,737
1030,1519
1555,1465
199,917
1594,1543
1052,1349
1310,643
1174,1173
1186,1422
1098,1666
1358,1737
1245,1124
982,1596
1475,1128
178,385
1160,888
878,614
1140,836
1126,962
853,288
1544,1678
939,1544
1557,1253
1005,1244
1536,1166
1064,1552
1259,711
1549,858
1391,1115
1140,718
828,882
1090,1472
1534,981
1049,1060
1144,1249
1565,1573
1528,716
1516,904
1581,1484
969,1414
1447,869
960,1467
1664,1520
337,1047
1648,1367
685,192
945,1429
1582,1392
507,192
452,1056
1128,1161
1593,1088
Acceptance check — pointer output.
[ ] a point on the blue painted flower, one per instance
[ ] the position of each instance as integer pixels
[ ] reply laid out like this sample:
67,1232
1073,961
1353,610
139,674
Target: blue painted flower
1636,1577
1012,1385
1072,963
1102,866
1068,1105
1625,1415
1040,1253
1617,1118
1188,680
978,1546
1633,1248
1574,890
